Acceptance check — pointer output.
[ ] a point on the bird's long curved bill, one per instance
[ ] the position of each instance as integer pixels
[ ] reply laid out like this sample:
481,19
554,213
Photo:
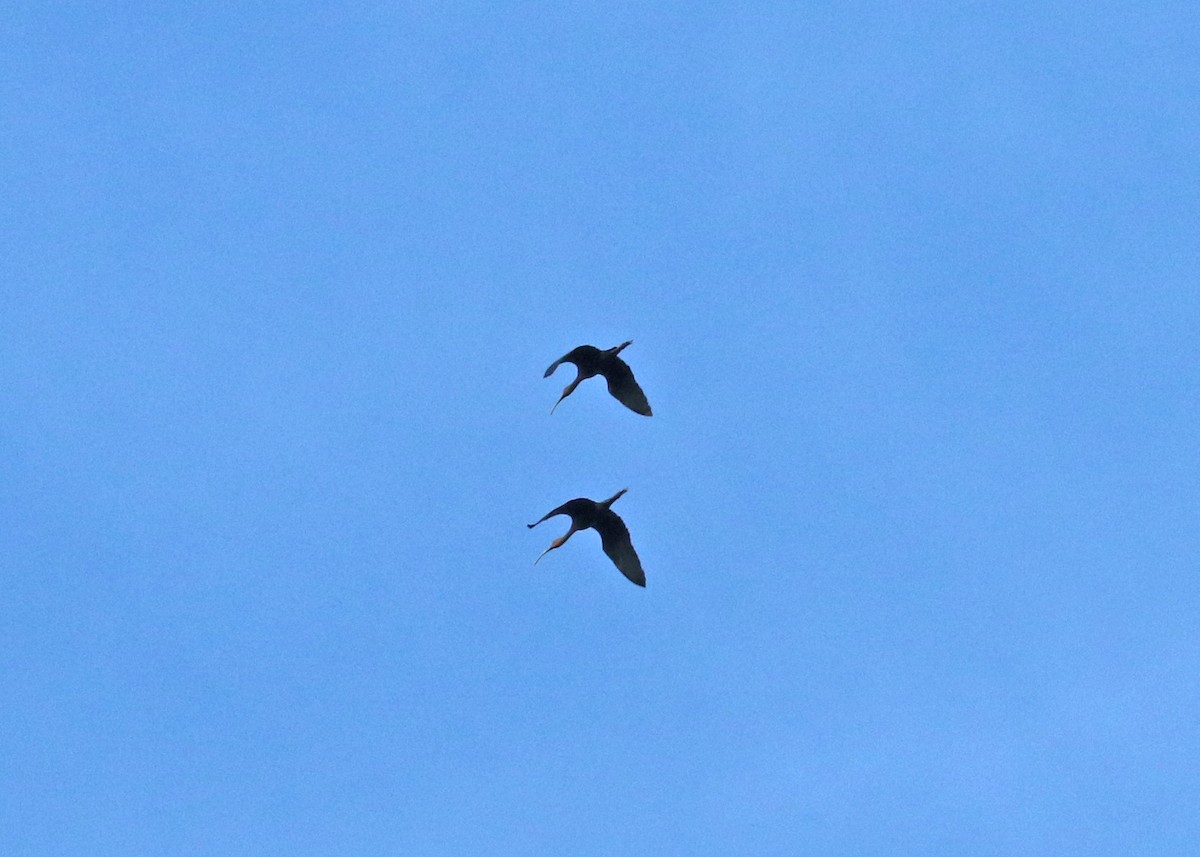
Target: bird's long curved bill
565,394
570,388
557,543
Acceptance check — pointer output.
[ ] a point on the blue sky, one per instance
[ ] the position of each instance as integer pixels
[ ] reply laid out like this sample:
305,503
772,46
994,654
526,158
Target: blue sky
913,290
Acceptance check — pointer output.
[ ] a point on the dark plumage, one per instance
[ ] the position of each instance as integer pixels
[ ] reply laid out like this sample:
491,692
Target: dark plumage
590,360
614,535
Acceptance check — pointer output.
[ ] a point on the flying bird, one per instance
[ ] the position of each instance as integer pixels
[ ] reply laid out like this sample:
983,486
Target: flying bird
590,360
614,535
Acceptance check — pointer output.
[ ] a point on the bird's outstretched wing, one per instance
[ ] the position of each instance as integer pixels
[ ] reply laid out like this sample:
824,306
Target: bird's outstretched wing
614,538
555,365
624,387
575,355
578,506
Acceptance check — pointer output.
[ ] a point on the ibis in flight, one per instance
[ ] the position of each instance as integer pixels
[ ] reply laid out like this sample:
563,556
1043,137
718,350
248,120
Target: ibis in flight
590,360
614,535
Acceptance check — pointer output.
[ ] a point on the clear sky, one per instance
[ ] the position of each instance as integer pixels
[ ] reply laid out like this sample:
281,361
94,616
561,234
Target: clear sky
914,290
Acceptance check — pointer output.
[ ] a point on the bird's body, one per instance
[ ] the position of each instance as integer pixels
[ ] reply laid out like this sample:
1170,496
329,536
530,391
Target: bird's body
614,535
590,361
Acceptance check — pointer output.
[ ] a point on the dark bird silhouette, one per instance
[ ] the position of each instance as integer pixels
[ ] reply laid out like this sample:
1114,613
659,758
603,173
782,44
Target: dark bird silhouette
614,535
590,360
